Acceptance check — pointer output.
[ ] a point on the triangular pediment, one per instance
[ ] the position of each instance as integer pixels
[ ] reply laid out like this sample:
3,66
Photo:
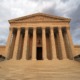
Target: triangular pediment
39,17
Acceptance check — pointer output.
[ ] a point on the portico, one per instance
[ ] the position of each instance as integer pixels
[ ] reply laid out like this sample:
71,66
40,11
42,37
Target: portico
39,37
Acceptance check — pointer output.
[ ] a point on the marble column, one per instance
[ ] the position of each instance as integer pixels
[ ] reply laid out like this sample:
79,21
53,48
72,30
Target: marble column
19,55
64,56
53,43
8,43
12,45
25,45
44,44
71,46
16,44
67,44
34,45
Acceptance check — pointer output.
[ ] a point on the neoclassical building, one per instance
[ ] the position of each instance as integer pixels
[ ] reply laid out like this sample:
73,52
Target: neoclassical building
40,47
39,37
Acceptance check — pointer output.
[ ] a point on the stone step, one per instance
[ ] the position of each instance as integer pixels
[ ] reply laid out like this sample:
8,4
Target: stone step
44,70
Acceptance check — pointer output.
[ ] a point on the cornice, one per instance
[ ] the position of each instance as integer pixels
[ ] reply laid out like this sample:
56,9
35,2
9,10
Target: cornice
37,21
40,14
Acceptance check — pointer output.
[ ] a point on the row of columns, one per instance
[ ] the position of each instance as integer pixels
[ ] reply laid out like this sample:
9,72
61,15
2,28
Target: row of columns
53,44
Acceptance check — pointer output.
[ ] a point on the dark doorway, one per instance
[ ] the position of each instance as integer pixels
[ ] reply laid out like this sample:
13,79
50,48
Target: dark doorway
39,53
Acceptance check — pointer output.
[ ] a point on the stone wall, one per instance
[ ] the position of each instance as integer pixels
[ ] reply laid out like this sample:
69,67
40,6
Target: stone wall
77,50
2,50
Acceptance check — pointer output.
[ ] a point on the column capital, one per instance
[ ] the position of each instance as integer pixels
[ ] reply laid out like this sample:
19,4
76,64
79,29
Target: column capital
19,28
68,28
43,27
59,27
26,28
35,28
51,27
11,28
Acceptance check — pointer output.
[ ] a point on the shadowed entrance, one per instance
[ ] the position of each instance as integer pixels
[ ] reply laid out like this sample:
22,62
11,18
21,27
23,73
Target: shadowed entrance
39,53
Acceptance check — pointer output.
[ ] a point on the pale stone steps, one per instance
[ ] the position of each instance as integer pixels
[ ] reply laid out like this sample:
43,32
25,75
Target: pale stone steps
47,70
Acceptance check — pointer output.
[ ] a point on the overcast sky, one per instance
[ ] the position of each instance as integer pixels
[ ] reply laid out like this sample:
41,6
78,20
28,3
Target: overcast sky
10,9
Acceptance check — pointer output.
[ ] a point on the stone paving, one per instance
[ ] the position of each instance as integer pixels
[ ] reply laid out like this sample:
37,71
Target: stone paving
40,70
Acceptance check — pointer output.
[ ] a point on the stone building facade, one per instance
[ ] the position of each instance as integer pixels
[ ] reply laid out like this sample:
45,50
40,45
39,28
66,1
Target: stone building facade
40,37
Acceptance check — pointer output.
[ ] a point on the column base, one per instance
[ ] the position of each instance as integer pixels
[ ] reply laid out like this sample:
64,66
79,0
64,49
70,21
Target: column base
55,59
23,59
14,59
45,59
34,59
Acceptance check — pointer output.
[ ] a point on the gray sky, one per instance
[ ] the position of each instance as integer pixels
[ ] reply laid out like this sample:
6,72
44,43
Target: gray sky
10,9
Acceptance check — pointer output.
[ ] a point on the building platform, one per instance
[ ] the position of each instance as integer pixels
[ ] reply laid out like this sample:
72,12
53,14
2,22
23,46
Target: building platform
40,70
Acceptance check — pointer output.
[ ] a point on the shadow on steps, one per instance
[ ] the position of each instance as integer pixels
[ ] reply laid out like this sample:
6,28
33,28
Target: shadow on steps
77,58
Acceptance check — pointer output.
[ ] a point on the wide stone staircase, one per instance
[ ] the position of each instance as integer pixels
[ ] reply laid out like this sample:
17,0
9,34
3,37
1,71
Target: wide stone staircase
40,70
